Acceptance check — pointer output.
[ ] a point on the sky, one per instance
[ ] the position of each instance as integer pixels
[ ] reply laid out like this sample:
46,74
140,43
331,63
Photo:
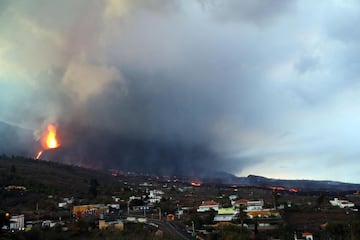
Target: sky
269,88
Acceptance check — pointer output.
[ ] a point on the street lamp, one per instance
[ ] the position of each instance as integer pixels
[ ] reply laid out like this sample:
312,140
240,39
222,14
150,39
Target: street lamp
193,229
159,213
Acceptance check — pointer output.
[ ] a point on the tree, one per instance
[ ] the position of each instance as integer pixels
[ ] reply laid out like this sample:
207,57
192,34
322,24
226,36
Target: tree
13,170
93,187
4,219
339,230
242,214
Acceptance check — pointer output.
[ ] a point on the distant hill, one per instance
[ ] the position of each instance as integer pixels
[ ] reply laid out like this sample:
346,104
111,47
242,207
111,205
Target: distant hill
314,185
302,185
52,177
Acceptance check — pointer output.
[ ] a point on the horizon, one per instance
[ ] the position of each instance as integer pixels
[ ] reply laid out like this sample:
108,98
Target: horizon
268,88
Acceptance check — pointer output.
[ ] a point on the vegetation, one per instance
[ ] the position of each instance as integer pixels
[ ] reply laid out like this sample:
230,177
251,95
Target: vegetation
34,188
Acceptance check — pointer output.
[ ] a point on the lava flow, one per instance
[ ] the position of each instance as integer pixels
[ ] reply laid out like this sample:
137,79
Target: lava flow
38,155
48,140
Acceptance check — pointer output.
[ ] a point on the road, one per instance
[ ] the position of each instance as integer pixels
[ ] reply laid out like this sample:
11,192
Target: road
167,227
170,228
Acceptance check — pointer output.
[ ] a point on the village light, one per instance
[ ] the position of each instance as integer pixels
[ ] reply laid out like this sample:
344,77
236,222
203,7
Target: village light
7,215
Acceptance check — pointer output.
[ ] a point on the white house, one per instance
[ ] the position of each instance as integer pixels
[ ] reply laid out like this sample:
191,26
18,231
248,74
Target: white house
155,196
305,235
17,222
249,205
341,203
254,205
224,218
62,204
48,224
225,215
207,206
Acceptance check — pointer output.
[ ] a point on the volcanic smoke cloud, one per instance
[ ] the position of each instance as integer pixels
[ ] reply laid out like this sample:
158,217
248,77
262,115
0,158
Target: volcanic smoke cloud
182,87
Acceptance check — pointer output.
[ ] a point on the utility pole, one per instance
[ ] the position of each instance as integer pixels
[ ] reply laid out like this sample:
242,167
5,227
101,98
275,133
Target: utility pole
193,229
38,213
128,206
159,213
178,211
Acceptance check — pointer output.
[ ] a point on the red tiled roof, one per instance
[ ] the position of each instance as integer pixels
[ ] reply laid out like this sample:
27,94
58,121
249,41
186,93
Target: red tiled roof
223,224
242,201
307,234
262,212
209,203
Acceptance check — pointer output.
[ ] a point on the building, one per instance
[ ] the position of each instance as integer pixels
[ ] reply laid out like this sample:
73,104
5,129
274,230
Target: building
48,224
142,208
249,205
208,206
341,203
155,196
265,213
254,205
305,235
94,210
17,222
232,199
170,217
225,215
119,225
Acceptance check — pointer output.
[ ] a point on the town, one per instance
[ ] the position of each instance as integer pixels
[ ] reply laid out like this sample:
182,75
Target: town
142,206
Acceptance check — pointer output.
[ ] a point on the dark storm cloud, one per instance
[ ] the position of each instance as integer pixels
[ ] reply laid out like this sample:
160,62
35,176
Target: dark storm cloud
182,86
133,84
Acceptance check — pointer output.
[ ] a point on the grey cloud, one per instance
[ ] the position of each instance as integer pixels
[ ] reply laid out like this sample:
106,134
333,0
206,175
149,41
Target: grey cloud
168,86
257,11
307,63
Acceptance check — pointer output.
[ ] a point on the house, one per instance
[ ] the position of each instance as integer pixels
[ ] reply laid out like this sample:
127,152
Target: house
249,205
254,205
17,222
265,213
119,225
48,224
220,225
341,203
308,236
96,210
62,204
170,217
114,206
142,208
155,196
305,235
240,203
232,199
208,206
225,215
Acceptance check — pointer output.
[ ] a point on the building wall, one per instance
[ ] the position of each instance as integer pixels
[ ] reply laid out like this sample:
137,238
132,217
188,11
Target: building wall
17,222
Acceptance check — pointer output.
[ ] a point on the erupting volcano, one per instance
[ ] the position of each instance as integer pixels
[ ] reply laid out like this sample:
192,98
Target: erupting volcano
48,140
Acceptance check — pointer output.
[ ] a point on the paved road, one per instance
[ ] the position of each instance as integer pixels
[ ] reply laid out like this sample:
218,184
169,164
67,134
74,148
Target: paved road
167,227
170,228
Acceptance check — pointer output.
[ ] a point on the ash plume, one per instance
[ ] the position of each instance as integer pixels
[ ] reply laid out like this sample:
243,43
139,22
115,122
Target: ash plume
175,87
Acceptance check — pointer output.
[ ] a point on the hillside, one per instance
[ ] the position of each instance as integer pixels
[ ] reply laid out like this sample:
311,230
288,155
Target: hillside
49,177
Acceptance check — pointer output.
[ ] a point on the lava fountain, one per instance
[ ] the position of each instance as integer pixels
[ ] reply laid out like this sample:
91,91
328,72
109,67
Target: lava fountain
48,140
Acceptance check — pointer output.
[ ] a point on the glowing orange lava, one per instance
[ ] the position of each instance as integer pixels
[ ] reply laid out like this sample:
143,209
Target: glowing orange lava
196,183
50,138
38,155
